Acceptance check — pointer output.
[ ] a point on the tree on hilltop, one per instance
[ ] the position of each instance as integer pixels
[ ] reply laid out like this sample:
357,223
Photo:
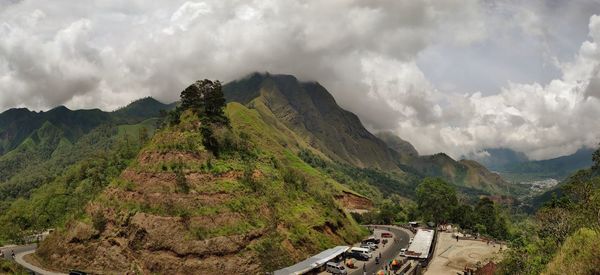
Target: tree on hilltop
206,99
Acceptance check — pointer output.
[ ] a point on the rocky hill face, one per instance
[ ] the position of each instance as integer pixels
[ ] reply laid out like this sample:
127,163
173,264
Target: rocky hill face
312,113
406,150
179,208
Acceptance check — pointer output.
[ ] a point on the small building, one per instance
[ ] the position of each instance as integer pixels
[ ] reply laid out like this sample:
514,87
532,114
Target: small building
421,245
313,263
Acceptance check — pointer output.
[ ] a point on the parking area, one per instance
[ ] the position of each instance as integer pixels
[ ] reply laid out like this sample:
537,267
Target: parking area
387,250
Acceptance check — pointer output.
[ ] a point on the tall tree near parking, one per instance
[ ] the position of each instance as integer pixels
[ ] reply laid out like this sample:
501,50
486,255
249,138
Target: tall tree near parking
436,199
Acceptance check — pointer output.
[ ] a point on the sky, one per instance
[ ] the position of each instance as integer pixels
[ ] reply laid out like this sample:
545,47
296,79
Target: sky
446,75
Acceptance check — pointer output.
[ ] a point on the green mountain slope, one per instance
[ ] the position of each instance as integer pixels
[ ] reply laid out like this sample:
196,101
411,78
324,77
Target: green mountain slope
47,195
496,158
16,125
312,113
579,254
142,109
406,150
557,168
48,142
38,147
178,208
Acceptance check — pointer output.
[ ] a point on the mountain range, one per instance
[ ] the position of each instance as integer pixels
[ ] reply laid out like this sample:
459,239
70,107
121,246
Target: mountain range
516,167
130,191
36,146
309,110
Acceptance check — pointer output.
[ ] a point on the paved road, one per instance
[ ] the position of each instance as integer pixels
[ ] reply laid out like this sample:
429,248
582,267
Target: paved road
17,249
388,253
20,252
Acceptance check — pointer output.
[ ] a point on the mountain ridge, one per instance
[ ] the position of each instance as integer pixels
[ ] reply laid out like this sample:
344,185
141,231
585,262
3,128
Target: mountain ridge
310,110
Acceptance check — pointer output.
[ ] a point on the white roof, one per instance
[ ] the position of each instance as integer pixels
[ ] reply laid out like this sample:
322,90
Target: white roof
421,244
360,249
313,262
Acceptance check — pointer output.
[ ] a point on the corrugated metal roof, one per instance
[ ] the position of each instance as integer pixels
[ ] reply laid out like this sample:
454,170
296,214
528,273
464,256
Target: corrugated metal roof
313,262
421,244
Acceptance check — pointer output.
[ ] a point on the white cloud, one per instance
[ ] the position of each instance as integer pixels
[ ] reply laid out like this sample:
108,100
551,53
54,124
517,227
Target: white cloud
399,65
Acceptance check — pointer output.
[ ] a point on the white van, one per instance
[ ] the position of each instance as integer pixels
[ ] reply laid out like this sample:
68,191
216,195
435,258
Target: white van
361,250
335,268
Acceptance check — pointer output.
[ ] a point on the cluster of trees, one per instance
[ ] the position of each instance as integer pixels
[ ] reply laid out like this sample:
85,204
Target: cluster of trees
565,223
437,201
392,210
206,100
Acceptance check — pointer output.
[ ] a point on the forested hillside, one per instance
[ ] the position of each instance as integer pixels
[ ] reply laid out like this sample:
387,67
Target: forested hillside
562,236
57,167
222,192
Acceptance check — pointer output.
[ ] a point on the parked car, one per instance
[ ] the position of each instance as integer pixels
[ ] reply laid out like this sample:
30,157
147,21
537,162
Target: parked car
386,235
357,255
372,244
336,268
403,252
372,239
365,251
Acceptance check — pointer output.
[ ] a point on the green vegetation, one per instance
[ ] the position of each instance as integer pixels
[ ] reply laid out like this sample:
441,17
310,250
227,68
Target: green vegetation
562,237
557,168
580,254
64,196
273,171
244,180
12,268
48,179
436,199
311,113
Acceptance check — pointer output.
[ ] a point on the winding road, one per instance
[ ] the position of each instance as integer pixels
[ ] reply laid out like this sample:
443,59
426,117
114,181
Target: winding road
20,252
389,252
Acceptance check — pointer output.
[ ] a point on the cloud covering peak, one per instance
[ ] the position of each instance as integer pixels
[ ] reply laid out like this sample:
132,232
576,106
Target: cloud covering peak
452,76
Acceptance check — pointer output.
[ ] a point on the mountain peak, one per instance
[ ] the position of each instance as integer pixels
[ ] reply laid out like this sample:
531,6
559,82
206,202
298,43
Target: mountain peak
310,110
143,107
59,109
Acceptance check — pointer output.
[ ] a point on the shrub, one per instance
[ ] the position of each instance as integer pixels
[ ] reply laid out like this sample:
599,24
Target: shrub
99,221
295,179
181,181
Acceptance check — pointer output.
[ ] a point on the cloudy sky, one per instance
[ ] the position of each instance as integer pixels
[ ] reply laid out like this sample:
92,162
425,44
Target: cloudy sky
446,75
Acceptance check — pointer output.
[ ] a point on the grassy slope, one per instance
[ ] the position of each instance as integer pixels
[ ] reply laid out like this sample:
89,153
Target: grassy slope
260,189
580,254
12,268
